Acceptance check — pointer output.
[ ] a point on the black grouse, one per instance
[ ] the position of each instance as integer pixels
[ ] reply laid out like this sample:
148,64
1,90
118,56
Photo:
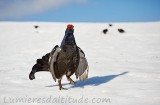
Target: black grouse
64,60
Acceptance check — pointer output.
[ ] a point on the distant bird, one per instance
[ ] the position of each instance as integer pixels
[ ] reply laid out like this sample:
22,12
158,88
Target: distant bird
36,26
121,31
110,25
105,31
64,60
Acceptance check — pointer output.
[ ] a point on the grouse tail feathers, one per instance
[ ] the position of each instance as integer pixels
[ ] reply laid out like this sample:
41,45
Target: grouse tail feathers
83,68
41,65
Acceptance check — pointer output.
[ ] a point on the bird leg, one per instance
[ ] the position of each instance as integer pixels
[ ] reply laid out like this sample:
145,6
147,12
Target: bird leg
60,85
70,80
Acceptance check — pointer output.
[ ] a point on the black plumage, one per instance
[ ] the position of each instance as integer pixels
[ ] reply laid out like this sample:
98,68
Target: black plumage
36,26
121,30
64,60
105,31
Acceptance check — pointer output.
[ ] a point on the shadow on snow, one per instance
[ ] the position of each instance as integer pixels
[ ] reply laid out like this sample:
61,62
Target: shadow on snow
97,80
93,81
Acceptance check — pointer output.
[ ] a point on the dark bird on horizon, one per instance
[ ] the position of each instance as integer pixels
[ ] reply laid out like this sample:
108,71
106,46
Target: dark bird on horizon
105,31
121,31
64,60
110,25
36,26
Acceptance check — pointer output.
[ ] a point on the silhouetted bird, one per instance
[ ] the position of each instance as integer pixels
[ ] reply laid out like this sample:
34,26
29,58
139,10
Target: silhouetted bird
105,31
64,60
121,30
36,27
110,25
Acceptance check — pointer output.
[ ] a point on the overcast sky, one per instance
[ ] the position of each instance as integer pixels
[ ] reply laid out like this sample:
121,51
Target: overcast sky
80,10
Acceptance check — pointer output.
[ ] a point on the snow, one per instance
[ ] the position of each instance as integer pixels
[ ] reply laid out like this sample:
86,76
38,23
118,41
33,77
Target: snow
124,68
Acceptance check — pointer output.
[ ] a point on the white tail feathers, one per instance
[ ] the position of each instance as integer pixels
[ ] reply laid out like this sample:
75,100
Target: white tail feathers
83,68
84,76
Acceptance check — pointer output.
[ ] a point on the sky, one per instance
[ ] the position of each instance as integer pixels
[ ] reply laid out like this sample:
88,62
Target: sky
80,10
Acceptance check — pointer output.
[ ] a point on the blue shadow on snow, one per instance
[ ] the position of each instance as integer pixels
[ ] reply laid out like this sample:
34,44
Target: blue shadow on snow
93,81
97,80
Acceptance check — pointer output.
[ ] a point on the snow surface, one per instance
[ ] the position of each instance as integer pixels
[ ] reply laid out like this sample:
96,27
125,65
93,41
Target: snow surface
124,68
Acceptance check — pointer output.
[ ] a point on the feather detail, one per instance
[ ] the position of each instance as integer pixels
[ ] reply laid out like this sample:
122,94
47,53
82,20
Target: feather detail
52,60
84,76
83,68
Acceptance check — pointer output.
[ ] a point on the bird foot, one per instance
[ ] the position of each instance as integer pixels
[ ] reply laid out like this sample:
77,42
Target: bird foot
62,88
72,82
60,85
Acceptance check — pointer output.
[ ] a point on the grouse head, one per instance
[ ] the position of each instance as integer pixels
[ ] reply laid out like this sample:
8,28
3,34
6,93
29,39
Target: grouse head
69,37
69,29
